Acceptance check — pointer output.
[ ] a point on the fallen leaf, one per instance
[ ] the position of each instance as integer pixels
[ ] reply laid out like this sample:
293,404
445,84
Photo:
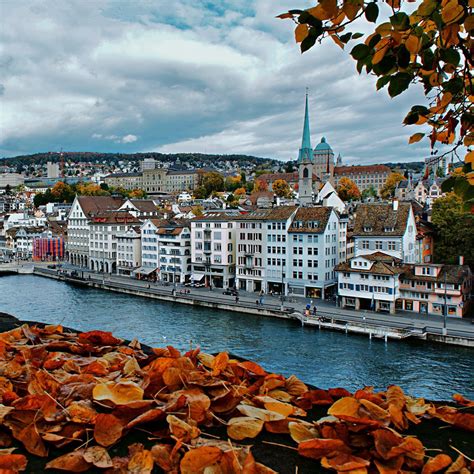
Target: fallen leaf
141,462
436,464
107,429
260,413
347,406
220,363
318,448
98,456
12,462
70,462
243,427
302,431
100,338
196,460
121,393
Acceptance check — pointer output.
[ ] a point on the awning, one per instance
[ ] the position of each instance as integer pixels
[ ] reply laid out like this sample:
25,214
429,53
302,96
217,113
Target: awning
145,270
197,276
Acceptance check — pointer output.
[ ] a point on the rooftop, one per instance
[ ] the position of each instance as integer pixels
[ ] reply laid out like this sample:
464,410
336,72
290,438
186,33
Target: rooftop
381,219
311,220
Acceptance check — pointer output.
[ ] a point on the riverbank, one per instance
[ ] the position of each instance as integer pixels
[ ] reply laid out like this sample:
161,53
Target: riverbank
335,319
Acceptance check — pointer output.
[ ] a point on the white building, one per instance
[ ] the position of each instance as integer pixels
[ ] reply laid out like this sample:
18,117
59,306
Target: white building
150,251
103,230
261,238
11,179
327,196
213,249
388,228
313,252
82,210
370,282
129,251
174,242
142,208
52,170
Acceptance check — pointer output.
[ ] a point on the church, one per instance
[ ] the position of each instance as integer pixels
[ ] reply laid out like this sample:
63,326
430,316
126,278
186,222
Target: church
319,162
317,167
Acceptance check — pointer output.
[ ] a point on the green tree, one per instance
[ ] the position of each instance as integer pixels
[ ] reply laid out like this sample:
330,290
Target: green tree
454,234
232,183
347,189
369,193
289,167
388,189
8,189
428,43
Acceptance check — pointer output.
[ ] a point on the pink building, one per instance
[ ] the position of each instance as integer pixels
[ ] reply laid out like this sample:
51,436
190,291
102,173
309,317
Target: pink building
428,288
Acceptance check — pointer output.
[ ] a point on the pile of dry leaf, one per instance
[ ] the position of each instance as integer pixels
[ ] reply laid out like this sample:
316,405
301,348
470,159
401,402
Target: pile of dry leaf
71,399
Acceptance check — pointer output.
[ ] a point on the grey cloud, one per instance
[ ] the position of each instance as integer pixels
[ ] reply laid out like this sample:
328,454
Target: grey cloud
69,81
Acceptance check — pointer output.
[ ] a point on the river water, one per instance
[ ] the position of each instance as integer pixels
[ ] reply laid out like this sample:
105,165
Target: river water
322,358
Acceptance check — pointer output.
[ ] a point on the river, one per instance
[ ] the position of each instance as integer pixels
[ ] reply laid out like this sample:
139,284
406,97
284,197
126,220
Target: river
322,358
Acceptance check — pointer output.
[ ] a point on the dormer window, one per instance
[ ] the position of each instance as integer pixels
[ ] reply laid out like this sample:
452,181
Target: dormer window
388,229
367,228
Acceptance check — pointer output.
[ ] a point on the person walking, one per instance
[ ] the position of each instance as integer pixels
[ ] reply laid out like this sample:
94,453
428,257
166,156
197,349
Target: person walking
314,310
236,299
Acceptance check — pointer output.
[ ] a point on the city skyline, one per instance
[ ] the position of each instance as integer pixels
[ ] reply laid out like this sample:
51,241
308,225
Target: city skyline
216,78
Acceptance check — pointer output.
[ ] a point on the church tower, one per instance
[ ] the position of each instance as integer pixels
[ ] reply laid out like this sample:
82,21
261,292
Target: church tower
305,163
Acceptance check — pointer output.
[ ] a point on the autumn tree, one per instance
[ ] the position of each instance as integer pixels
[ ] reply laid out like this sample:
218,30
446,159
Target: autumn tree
453,230
212,182
137,194
240,192
348,190
388,189
430,43
90,189
281,188
232,183
260,185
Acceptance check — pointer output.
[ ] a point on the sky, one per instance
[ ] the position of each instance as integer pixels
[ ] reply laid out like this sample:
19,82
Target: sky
185,76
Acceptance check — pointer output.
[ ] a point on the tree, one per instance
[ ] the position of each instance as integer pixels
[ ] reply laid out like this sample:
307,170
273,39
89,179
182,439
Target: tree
369,192
260,185
8,189
388,189
137,194
240,192
212,182
281,188
347,189
453,230
289,167
429,45
232,183
91,189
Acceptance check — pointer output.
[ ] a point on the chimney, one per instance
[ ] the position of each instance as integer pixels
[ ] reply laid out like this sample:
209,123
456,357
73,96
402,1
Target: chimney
395,204
461,259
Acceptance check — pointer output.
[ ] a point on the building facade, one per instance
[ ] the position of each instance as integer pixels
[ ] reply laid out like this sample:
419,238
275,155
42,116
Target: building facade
213,250
365,177
129,251
313,252
82,210
388,228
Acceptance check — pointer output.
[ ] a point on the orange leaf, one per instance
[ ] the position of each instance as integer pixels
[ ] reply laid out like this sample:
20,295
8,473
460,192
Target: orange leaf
220,363
121,393
318,448
13,462
294,386
380,50
196,460
182,430
32,441
163,456
99,338
70,462
107,430
252,367
347,406
344,462
301,32
416,138
141,462
438,463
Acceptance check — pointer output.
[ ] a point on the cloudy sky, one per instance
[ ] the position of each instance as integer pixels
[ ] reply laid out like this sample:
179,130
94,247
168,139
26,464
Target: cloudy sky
184,76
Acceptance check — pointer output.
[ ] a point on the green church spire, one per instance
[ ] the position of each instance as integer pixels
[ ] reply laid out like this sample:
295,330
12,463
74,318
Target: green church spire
306,152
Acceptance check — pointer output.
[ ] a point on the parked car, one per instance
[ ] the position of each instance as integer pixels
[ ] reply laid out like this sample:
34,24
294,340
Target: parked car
230,292
52,266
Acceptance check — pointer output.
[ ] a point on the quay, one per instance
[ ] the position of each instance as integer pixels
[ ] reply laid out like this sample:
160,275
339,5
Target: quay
373,325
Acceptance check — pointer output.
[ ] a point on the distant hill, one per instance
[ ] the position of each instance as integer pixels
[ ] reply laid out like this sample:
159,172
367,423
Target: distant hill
92,157
417,166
